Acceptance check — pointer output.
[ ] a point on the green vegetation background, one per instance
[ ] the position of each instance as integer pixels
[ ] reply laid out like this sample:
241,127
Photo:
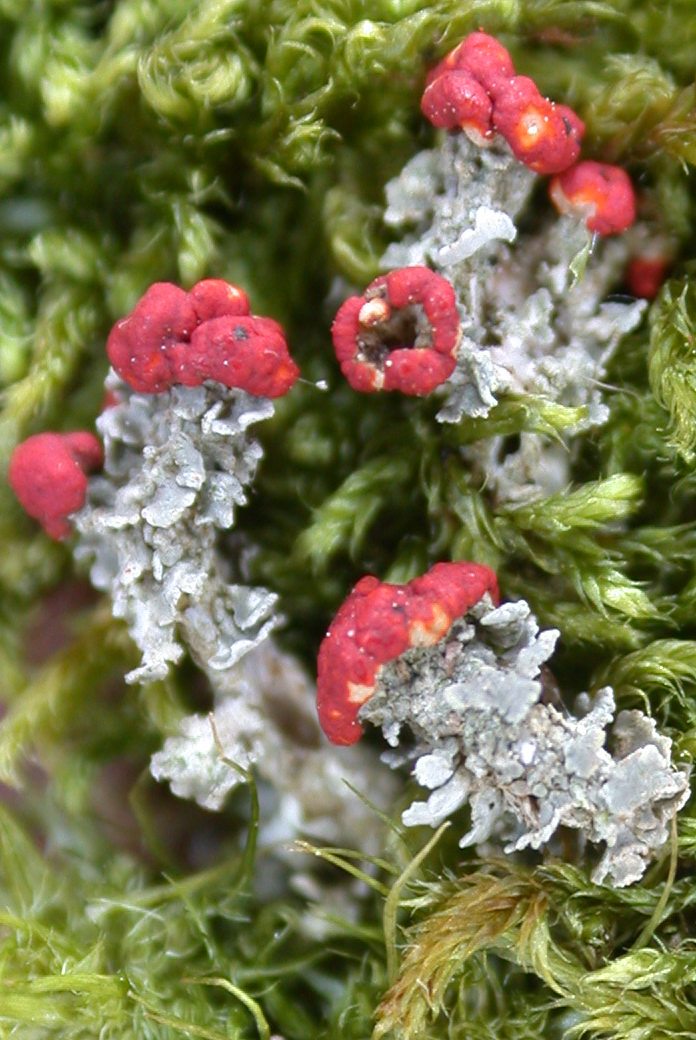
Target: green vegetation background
143,140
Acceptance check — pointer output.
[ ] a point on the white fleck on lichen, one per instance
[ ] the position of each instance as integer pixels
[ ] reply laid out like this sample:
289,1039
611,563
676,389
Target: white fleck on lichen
471,715
176,466
530,323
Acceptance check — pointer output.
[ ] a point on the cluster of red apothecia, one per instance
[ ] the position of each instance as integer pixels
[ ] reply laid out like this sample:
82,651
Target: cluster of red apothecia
403,332
171,337
475,89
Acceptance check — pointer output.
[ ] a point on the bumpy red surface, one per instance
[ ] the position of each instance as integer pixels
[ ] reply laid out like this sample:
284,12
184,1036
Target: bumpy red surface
174,337
215,298
377,623
455,100
244,351
475,88
544,136
416,372
600,192
137,345
481,56
487,60
47,473
409,369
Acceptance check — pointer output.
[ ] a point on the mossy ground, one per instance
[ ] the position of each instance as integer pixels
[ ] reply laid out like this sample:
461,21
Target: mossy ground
143,140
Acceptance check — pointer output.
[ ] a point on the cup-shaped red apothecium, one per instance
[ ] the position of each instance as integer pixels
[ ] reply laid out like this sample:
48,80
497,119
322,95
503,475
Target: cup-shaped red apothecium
401,334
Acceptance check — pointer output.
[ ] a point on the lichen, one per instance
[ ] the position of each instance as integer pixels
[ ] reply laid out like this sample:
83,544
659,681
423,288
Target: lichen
534,311
266,720
472,716
176,467
177,464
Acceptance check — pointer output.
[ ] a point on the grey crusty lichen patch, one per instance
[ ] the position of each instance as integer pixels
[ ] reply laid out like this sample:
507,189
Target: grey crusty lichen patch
267,720
471,716
176,466
530,323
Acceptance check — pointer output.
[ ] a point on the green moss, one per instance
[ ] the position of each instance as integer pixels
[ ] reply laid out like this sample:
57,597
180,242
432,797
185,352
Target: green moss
142,141
672,362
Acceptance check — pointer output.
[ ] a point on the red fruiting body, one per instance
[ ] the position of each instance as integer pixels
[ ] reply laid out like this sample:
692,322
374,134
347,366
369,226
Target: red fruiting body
215,298
456,586
419,285
601,193
486,60
242,351
459,89
645,275
544,136
346,329
137,345
401,334
416,372
455,100
573,124
174,337
47,473
482,57
377,623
